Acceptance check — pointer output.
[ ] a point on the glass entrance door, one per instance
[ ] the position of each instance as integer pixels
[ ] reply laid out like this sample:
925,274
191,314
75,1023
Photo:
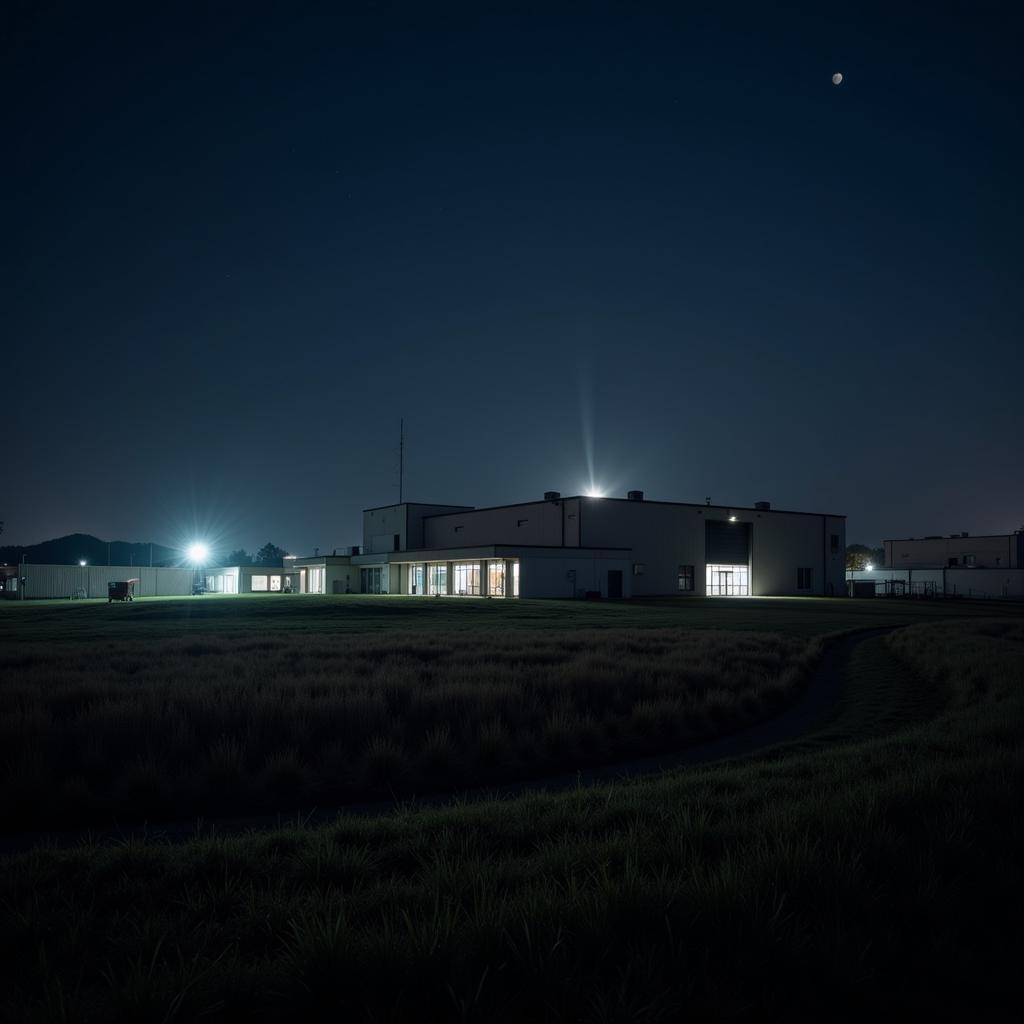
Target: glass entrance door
728,581
415,579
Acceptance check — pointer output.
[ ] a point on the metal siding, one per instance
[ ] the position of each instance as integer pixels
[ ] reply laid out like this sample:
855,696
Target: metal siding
726,543
48,581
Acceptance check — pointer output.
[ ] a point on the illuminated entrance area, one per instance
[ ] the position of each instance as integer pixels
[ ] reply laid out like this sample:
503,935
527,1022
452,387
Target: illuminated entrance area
416,573
728,581
486,577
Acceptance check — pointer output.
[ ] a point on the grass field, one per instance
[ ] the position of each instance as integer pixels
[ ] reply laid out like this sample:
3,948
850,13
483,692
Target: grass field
216,707
874,868
275,722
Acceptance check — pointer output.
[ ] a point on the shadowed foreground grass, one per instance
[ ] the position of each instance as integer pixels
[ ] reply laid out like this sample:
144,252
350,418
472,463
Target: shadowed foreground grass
878,877
277,721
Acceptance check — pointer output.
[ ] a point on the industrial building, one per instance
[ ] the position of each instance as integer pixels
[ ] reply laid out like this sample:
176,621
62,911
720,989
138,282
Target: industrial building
609,547
995,551
572,547
955,565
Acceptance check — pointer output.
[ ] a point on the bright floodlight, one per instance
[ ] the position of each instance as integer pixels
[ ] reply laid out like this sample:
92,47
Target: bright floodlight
732,519
82,562
197,553
594,493
869,567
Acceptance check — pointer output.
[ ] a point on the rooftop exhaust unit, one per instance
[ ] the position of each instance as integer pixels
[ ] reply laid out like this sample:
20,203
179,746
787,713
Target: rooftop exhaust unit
552,495
763,506
635,495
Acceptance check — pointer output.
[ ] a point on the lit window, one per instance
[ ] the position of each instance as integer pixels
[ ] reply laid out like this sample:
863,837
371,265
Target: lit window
437,579
496,579
275,583
686,577
803,579
259,583
467,579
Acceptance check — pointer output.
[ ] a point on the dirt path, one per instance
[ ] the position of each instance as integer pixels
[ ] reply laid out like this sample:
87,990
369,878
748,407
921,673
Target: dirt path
818,700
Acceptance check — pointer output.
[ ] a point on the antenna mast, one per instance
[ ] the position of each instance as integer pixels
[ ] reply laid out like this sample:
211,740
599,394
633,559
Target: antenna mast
401,458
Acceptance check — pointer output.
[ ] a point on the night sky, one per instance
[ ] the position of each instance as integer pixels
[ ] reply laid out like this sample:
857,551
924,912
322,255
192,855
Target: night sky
627,246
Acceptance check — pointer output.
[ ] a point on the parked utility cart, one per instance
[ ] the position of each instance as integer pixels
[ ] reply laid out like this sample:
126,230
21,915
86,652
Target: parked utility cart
121,590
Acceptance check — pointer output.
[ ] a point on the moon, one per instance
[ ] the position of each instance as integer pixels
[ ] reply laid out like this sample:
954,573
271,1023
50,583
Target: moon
837,78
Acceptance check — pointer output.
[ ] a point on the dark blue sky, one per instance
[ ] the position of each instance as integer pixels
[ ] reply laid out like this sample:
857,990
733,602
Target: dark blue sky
240,242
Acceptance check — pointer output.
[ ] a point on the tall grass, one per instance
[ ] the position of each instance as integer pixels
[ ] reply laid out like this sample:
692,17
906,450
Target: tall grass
876,879
200,726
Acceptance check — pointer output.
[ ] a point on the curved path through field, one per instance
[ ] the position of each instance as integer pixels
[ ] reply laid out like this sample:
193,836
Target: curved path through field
819,699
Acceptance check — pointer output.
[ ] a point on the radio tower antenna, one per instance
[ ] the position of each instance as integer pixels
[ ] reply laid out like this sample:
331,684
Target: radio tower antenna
401,458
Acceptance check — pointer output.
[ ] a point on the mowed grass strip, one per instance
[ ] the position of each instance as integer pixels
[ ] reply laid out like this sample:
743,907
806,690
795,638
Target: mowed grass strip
878,878
273,722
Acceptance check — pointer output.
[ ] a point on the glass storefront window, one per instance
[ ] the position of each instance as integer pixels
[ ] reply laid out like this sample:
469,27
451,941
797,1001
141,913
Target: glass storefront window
437,579
467,579
496,579
259,583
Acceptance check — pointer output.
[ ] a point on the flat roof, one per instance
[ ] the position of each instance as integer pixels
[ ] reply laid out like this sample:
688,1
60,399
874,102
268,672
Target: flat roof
645,501
482,550
956,536
422,504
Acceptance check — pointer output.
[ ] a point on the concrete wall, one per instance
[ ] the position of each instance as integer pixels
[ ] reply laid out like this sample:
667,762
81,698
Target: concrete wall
341,579
541,576
381,524
997,552
68,580
533,522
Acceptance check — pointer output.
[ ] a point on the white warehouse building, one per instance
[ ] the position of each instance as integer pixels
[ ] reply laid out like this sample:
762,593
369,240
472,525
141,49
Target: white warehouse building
613,547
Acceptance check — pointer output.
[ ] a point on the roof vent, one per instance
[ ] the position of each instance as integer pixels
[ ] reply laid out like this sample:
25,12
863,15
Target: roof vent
762,506
552,495
635,495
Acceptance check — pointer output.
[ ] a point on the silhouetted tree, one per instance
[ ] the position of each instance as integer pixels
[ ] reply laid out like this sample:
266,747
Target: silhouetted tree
239,557
270,554
859,555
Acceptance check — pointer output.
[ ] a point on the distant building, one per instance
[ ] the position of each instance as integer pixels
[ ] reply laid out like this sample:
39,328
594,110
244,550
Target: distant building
957,565
999,551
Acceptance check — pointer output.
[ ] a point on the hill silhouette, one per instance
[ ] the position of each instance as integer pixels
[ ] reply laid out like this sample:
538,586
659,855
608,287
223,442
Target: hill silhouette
77,546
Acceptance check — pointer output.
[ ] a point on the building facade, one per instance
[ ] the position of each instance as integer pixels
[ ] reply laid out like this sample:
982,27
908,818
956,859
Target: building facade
583,546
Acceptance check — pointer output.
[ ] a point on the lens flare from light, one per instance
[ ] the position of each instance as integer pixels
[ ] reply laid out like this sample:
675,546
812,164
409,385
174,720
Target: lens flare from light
198,553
